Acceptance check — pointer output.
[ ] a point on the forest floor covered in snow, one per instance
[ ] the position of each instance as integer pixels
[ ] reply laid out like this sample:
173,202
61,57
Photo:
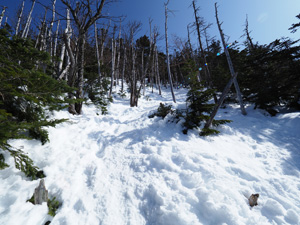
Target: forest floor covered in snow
127,169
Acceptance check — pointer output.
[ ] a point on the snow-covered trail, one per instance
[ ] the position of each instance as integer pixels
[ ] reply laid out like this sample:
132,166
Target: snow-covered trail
127,169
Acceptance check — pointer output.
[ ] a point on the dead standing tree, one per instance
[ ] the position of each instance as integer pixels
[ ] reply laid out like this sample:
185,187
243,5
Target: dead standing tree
232,80
28,22
133,79
167,50
2,15
19,18
85,13
236,85
199,22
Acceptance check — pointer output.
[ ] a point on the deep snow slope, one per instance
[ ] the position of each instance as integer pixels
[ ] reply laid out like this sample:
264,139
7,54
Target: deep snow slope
127,169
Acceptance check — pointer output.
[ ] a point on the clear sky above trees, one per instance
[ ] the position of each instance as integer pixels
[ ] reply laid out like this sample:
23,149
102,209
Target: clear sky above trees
268,19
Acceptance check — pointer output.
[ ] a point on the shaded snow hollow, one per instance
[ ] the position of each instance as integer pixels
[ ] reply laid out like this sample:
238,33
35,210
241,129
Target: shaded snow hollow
127,169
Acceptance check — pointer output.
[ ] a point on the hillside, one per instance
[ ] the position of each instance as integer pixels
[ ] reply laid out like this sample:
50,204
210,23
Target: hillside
125,168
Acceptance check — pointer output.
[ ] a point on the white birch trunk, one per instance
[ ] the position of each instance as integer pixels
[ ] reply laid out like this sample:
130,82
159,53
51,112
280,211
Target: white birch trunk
123,71
157,70
119,56
143,76
112,65
167,52
97,52
26,34
2,15
28,20
19,18
68,33
56,37
50,39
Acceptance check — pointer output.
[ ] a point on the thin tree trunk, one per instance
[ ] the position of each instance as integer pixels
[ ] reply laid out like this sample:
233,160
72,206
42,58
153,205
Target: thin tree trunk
220,102
26,34
55,39
28,20
157,71
112,63
207,71
236,85
2,15
19,18
123,71
133,97
143,76
79,92
167,51
68,33
103,38
97,52
249,39
50,29
119,56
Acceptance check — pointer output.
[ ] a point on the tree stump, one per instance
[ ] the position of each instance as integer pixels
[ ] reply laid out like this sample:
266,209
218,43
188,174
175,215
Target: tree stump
40,193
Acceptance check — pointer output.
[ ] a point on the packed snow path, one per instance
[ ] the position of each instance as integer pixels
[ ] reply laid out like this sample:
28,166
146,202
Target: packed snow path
126,169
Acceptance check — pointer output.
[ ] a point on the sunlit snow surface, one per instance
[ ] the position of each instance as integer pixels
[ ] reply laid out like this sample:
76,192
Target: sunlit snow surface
127,169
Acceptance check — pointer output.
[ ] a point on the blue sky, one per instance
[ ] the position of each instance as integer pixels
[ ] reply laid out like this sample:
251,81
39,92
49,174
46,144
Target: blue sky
268,19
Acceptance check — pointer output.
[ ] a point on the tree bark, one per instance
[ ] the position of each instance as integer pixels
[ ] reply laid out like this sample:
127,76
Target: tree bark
28,21
55,39
207,71
84,16
19,18
236,85
124,65
220,102
97,52
2,15
167,51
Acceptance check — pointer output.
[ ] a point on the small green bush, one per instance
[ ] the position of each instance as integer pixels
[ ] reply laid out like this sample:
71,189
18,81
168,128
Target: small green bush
3,165
53,206
162,111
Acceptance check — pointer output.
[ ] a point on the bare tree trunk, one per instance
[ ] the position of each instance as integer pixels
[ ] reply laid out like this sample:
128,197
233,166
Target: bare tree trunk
119,55
19,18
207,71
68,34
152,71
220,102
72,72
249,39
28,20
97,52
236,85
143,75
113,57
80,81
26,34
133,89
123,71
157,71
103,38
50,29
2,15
55,39
85,13
167,51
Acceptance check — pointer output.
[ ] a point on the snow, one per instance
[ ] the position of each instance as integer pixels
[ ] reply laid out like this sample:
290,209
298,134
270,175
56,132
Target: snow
124,168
